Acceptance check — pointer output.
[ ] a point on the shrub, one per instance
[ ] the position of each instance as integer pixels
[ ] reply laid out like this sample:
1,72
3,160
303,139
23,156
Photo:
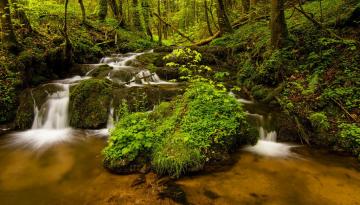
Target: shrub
131,136
319,121
350,137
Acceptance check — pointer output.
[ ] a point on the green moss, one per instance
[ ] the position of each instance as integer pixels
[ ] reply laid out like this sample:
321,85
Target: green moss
349,138
89,103
182,134
319,121
100,72
25,112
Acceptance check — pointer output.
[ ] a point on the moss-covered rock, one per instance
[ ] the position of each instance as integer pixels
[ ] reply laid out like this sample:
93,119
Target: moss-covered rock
144,98
100,71
167,73
25,112
182,135
89,103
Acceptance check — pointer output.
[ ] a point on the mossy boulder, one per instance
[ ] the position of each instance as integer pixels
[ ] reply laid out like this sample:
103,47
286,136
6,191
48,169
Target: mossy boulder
167,73
89,103
182,135
155,59
100,71
25,112
144,98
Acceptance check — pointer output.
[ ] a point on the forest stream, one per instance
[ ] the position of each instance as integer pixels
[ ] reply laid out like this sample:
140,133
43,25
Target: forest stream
53,163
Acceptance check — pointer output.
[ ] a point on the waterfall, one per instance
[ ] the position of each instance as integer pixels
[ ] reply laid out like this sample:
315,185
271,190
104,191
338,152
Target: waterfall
53,114
51,121
267,144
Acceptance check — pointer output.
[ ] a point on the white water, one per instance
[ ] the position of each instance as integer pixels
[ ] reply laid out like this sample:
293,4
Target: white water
140,78
51,121
267,145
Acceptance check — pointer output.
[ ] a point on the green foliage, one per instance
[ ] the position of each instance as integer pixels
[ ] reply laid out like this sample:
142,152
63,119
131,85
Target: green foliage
349,95
174,156
319,121
181,133
8,82
188,63
350,137
131,136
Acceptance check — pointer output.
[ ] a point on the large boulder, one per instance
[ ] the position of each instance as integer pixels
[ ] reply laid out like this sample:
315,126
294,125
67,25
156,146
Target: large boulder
89,103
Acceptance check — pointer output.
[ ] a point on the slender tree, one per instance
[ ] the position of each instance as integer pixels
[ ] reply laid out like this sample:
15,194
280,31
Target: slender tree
121,14
147,15
68,46
136,16
224,23
207,18
279,32
8,37
160,23
102,12
83,13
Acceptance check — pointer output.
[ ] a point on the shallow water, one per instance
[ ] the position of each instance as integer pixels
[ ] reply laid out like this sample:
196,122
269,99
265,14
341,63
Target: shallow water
71,172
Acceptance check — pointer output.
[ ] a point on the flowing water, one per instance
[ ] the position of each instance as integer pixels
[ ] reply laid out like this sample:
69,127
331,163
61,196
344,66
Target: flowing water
53,163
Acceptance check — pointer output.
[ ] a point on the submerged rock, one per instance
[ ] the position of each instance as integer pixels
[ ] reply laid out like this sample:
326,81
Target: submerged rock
90,103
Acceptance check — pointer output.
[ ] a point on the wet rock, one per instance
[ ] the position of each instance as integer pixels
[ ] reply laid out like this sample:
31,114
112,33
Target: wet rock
83,69
140,180
167,73
123,75
25,112
123,166
100,71
174,192
166,49
89,104
144,98
41,92
210,194
155,59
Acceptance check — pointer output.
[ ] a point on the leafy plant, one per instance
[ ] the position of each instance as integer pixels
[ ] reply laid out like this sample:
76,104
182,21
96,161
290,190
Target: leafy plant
188,63
350,137
319,121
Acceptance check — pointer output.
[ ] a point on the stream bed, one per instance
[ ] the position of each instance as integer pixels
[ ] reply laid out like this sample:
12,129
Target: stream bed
53,163
72,173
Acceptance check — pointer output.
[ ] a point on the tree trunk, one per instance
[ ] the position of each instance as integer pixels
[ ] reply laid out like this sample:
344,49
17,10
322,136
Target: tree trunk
102,12
68,46
147,16
8,37
246,6
160,22
279,33
20,14
114,8
224,23
121,14
207,18
82,10
136,16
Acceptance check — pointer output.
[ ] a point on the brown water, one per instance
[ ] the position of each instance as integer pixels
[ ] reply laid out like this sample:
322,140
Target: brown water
72,173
